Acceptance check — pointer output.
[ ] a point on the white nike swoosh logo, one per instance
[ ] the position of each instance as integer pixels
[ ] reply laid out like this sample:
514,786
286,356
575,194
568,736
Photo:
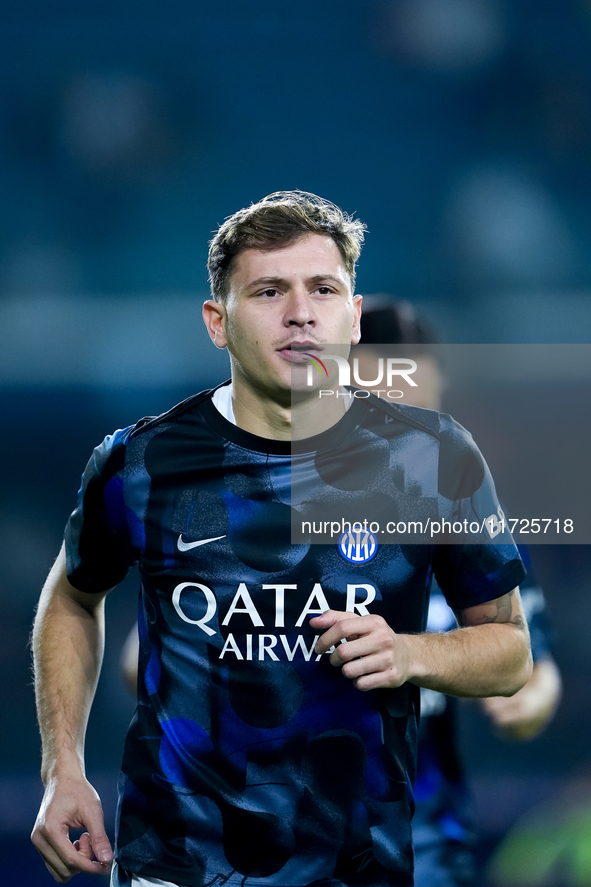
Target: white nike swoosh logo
186,546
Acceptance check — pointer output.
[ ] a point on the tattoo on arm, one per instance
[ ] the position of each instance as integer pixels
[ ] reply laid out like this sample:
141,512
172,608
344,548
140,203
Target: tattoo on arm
499,610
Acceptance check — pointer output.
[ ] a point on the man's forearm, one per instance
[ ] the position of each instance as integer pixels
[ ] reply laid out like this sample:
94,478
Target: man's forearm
488,656
68,640
481,660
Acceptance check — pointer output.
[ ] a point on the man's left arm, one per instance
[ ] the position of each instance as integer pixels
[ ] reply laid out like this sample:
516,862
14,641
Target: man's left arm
488,655
531,709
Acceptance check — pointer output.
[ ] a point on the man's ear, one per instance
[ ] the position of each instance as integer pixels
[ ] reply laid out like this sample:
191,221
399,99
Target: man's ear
214,317
356,330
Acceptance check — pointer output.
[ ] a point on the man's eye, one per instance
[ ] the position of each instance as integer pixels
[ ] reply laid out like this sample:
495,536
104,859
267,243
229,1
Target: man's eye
269,293
324,290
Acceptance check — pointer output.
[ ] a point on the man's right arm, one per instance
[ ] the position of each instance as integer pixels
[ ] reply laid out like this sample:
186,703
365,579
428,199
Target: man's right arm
68,641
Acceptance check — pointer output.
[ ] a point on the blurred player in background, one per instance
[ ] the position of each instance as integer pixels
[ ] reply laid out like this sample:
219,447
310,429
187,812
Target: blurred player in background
443,833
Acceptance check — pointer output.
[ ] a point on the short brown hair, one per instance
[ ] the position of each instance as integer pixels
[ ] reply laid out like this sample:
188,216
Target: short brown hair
275,222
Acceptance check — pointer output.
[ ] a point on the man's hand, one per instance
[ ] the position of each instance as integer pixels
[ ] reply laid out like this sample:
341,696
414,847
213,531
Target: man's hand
489,655
71,802
374,655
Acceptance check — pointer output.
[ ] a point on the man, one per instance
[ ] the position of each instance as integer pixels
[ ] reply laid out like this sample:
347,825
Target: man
443,831
264,751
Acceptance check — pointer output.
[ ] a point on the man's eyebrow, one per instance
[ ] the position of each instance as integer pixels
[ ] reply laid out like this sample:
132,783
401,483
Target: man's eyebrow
281,281
319,278
269,281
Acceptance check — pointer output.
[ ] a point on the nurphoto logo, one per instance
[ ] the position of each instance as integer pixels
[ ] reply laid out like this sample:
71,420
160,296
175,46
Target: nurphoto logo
316,362
387,369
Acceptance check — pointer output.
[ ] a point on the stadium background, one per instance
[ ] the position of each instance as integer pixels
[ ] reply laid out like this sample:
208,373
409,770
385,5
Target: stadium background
458,130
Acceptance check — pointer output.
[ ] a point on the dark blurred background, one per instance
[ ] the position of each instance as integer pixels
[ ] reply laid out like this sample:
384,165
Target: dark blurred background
458,130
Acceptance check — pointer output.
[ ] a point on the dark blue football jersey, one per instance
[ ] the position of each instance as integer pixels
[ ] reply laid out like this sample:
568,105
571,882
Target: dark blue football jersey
250,759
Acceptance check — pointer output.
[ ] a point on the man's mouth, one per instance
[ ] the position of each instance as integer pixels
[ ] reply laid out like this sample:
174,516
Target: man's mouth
297,352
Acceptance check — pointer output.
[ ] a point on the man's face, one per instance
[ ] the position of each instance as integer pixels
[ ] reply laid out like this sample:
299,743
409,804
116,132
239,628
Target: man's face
281,303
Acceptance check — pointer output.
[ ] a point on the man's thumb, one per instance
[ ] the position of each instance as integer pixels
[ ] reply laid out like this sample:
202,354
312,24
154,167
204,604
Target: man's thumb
101,846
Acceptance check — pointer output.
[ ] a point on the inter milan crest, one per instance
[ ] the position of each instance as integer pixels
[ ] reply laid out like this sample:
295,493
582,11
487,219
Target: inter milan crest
358,546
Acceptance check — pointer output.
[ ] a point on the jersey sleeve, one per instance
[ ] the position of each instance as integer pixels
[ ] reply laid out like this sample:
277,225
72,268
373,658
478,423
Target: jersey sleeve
97,540
534,607
481,562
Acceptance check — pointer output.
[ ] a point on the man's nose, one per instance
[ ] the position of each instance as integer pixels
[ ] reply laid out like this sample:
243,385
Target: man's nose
299,308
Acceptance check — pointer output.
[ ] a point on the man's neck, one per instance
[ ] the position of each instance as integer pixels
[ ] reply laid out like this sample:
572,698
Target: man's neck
302,418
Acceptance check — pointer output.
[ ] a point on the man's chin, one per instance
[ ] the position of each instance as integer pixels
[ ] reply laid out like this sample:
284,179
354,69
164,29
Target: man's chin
301,391
301,396
300,378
